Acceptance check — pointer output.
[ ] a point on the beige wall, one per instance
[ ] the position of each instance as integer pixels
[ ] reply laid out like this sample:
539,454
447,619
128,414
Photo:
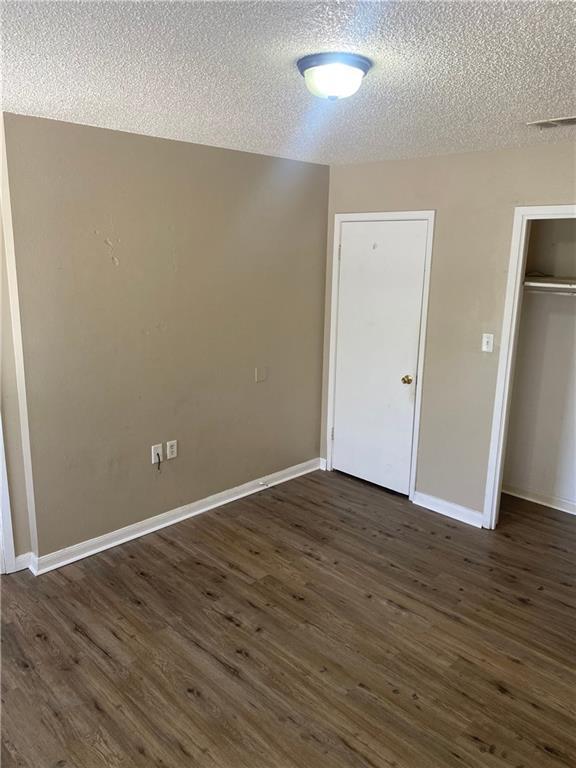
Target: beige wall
11,421
154,276
541,452
474,196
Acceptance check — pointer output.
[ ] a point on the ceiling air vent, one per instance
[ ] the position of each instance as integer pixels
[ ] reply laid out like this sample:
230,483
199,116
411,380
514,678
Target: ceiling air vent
553,122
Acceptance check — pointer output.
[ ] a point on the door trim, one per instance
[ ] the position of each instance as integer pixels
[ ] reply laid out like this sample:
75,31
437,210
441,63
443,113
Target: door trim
7,232
523,215
7,554
339,219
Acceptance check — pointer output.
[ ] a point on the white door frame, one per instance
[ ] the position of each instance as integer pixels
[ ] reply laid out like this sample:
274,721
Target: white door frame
339,219
7,233
7,554
523,215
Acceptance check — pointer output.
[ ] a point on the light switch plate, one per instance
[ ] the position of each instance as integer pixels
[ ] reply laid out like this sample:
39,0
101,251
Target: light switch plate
487,342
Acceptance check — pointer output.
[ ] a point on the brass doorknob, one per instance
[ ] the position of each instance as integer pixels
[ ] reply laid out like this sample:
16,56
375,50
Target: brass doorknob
407,379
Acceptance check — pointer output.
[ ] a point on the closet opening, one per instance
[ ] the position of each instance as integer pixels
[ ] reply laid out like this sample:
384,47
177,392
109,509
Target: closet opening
540,458
533,445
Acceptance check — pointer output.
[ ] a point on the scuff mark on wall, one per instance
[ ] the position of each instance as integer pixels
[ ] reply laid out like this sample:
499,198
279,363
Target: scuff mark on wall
114,258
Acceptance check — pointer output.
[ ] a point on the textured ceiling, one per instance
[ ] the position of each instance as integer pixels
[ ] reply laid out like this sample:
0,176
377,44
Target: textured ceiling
448,77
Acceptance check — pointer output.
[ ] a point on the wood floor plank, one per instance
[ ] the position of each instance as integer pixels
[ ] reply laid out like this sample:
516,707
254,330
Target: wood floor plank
323,623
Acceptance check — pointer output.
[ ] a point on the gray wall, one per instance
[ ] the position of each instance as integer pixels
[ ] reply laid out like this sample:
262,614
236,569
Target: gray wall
474,196
153,277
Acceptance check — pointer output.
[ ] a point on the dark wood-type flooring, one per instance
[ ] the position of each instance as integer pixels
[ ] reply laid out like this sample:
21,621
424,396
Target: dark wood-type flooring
322,623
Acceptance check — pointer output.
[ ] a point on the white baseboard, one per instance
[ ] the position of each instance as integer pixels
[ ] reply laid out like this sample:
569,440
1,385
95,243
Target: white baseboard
464,514
23,562
45,563
556,502
323,465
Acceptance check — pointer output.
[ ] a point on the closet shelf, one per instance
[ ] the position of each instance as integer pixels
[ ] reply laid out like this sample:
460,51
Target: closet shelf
550,284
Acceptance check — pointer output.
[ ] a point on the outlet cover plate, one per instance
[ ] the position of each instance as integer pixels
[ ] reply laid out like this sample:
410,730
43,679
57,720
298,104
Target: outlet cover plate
171,449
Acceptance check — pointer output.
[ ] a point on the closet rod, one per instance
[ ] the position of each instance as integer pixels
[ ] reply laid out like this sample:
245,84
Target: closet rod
569,292
550,284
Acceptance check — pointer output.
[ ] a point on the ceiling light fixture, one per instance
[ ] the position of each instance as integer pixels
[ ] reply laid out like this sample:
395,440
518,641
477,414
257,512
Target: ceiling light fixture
333,75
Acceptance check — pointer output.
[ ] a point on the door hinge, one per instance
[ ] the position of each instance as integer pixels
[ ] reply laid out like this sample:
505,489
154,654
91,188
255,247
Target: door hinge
339,252
332,434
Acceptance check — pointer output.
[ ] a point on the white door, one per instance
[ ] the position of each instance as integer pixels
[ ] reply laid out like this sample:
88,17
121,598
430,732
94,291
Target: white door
378,329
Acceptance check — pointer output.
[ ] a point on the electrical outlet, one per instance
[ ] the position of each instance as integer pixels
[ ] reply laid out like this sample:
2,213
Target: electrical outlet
260,374
171,449
157,451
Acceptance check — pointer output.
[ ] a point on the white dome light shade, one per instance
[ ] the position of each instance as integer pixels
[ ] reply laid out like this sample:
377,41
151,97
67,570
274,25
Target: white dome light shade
333,81
333,75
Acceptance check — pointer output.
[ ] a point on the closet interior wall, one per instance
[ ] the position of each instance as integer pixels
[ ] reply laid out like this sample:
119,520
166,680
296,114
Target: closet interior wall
541,450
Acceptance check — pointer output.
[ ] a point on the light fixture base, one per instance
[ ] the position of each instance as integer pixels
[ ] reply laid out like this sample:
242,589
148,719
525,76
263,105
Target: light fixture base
329,57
